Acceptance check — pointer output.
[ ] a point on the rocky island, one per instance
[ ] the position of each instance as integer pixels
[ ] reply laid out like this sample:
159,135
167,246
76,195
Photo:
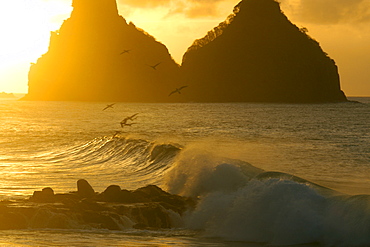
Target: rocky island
97,56
256,55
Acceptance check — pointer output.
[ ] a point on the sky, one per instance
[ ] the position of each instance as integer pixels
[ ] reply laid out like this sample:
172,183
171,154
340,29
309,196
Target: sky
342,27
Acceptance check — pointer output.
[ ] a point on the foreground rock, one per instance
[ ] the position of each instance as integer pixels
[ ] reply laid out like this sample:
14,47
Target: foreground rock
115,209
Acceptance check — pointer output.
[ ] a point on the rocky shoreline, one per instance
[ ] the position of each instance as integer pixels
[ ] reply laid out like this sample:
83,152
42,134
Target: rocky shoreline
148,207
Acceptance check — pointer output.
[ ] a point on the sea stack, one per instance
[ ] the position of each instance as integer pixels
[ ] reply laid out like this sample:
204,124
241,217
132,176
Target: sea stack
258,55
97,56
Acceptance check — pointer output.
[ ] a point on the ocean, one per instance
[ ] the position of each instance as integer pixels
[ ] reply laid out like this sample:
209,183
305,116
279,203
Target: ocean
243,161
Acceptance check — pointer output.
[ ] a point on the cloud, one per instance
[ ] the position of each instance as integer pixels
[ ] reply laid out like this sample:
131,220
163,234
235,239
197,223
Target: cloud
188,8
201,8
329,11
309,11
144,3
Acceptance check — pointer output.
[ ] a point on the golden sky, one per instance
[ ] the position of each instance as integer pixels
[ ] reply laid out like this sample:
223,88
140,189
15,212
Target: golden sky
342,27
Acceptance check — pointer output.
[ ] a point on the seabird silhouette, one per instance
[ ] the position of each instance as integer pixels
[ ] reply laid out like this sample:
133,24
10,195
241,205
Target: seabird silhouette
177,90
133,117
127,124
154,66
125,51
124,121
109,106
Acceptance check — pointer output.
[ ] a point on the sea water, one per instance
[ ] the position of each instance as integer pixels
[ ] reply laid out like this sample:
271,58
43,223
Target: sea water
216,152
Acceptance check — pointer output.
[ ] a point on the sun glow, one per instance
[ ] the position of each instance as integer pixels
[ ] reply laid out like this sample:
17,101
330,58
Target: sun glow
25,27
25,30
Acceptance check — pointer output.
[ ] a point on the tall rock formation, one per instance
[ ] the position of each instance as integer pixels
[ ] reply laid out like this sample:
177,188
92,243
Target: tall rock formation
97,56
258,55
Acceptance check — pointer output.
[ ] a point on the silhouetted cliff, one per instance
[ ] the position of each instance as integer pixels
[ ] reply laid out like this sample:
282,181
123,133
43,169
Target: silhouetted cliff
97,56
258,55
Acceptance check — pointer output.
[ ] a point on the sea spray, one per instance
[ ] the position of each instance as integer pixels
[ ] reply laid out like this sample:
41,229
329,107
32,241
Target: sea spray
197,172
239,202
272,211
282,212
347,221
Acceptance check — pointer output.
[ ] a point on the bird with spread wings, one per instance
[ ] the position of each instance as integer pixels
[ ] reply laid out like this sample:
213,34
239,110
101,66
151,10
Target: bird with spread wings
109,106
125,51
154,66
177,90
124,122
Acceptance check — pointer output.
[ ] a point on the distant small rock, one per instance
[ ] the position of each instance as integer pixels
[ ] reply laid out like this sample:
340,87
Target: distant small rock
84,189
112,193
6,95
46,195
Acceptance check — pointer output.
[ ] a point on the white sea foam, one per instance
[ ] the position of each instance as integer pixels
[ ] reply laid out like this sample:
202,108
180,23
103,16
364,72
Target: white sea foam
238,205
347,221
271,211
198,172
282,212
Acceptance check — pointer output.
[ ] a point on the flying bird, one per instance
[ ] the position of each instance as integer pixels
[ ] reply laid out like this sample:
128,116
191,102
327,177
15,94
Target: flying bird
131,118
125,51
154,66
177,90
127,124
109,106
123,123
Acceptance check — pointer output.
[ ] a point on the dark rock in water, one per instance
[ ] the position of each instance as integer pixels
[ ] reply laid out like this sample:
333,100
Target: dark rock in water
130,197
90,205
114,209
46,195
97,56
147,194
49,217
151,216
169,201
100,220
48,192
84,189
258,55
112,193
151,191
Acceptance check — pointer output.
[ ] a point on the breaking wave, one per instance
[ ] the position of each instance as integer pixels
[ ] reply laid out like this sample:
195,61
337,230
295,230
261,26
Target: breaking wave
127,161
236,201
239,202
